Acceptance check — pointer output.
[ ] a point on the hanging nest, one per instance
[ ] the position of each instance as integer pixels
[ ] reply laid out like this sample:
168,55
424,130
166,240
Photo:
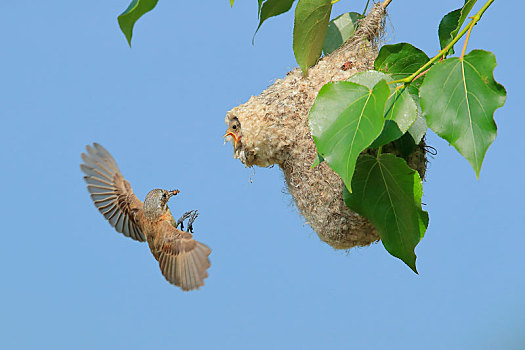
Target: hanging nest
273,129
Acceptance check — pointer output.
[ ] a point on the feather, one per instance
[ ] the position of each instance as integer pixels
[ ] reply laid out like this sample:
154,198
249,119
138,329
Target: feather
110,192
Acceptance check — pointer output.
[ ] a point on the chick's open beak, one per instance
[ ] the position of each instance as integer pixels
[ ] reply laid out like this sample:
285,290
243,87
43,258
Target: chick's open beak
235,138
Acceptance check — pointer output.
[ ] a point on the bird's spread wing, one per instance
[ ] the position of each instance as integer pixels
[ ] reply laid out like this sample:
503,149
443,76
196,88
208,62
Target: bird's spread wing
182,260
110,192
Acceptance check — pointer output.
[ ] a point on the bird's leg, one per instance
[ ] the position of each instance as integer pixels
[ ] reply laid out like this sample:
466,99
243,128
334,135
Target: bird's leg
191,220
182,218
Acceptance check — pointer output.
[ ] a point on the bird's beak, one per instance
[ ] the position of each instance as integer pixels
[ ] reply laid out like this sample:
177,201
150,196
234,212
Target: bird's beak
235,139
174,192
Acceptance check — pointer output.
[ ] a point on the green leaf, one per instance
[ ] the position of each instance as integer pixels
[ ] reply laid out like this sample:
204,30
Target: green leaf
400,109
271,8
318,160
451,24
259,5
369,78
418,129
459,98
340,29
448,24
400,114
388,193
135,10
405,145
464,13
400,61
231,2
309,31
345,118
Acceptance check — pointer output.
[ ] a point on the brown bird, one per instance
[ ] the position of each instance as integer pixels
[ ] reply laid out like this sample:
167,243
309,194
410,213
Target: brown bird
182,260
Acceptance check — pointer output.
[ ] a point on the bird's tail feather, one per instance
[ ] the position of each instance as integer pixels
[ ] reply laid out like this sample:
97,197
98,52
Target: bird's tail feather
187,269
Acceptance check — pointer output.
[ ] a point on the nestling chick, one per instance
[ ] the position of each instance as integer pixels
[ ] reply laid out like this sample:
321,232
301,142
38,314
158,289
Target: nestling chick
182,260
234,131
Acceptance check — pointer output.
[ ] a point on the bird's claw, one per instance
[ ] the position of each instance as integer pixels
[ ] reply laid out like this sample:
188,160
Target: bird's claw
192,218
182,218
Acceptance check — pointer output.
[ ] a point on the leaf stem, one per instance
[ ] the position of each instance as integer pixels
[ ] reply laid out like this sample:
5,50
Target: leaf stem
474,20
471,25
366,7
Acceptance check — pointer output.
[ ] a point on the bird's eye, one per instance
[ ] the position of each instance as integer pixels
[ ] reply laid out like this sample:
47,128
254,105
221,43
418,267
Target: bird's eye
164,196
234,127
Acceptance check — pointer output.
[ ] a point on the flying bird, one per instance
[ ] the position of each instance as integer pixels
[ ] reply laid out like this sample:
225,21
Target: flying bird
182,260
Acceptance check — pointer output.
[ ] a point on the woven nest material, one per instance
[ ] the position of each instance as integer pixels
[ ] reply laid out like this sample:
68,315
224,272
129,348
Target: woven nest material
274,130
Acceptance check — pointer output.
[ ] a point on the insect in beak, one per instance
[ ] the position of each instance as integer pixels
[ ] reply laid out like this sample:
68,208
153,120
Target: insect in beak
174,192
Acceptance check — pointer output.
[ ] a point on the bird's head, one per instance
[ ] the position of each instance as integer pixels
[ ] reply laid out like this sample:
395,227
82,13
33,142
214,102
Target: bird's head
156,203
234,132
259,138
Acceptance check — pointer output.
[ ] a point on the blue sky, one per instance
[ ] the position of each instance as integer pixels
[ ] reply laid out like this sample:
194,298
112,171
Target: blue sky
70,281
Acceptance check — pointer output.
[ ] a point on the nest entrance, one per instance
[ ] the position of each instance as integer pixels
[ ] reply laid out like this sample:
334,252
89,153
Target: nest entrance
274,130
